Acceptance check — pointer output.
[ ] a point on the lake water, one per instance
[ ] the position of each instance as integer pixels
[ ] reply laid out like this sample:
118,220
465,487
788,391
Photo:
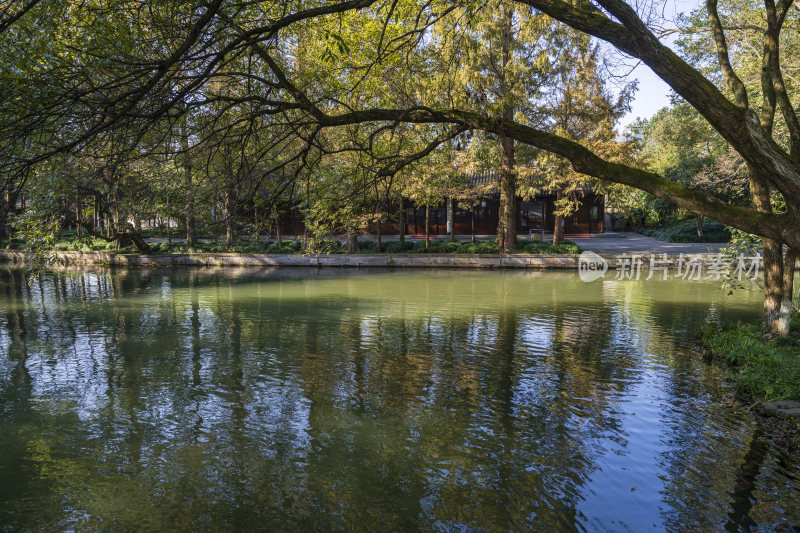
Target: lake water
352,400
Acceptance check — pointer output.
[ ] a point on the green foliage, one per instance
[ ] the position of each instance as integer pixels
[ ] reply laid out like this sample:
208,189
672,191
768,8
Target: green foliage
742,243
679,144
37,233
769,370
686,231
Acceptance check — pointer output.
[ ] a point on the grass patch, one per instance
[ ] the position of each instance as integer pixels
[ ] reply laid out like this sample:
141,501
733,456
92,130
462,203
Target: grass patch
686,231
768,370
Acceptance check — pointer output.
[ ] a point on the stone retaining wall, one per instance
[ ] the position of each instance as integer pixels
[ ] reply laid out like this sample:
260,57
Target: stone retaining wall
484,261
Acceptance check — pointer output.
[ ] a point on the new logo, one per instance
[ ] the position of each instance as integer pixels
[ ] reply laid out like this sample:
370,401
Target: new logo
591,266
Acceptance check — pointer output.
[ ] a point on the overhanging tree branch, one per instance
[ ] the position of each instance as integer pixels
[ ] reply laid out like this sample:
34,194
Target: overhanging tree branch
740,127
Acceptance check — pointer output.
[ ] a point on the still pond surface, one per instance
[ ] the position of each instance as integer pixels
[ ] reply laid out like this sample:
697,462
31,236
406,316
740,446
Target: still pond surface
307,400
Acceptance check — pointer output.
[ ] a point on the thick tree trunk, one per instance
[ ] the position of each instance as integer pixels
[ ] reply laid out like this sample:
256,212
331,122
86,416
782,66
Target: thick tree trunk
773,254
558,230
351,244
140,243
278,231
506,221
378,247
451,225
699,222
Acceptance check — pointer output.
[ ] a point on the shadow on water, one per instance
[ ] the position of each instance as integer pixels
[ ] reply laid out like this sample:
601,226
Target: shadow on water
436,400
743,492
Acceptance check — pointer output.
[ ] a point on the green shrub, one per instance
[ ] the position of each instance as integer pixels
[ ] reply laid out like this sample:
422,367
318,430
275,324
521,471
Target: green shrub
439,247
367,246
488,247
567,247
397,247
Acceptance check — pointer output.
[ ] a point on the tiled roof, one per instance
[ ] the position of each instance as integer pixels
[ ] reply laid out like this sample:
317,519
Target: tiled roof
484,178
492,177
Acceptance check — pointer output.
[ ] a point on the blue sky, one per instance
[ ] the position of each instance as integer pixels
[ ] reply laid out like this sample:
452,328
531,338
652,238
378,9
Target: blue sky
653,94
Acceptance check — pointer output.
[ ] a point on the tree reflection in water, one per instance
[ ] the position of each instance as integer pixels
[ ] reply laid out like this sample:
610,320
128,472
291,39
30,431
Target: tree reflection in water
309,400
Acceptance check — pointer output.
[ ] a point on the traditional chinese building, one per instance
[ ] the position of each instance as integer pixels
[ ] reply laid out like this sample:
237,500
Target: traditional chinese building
532,215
